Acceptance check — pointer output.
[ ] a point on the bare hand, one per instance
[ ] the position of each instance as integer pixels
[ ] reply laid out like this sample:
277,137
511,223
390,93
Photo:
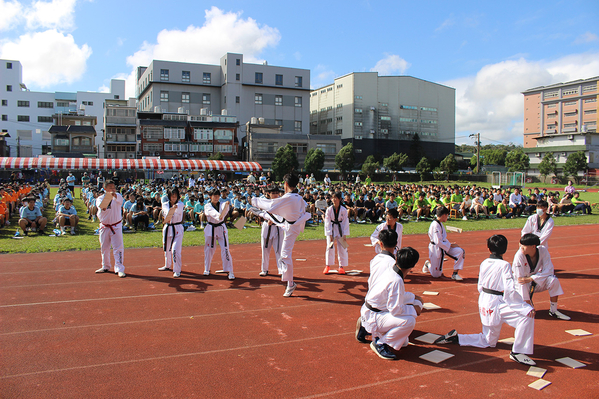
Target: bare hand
531,314
453,245
524,280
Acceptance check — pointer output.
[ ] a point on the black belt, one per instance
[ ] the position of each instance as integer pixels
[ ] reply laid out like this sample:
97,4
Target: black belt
165,234
267,239
369,306
224,235
492,292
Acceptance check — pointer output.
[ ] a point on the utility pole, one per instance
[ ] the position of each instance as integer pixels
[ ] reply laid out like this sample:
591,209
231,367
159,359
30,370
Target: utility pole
477,135
18,146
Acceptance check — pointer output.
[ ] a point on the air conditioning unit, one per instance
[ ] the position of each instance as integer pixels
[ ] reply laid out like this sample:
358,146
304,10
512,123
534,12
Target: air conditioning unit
192,155
178,154
157,153
109,137
538,155
109,156
563,154
131,155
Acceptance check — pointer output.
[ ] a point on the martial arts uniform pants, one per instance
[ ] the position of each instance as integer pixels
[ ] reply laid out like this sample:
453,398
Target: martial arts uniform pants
330,253
436,255
223,242
108,238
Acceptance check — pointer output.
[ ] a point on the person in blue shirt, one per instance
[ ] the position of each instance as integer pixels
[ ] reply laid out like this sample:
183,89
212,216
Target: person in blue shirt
71,182
67,214
31,216
199,211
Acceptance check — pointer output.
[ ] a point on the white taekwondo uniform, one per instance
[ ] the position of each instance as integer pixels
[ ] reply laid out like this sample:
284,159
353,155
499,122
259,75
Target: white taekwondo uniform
111,232
374,238
272,238
172,237
216,230
336,226
542,274
439,246
542,230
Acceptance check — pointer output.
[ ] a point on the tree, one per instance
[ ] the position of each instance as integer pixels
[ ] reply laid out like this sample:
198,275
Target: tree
314,161
517,160
370,165
449,165
218,156
285,162
424,168
396,161
416,152
548,165
575,163
345,159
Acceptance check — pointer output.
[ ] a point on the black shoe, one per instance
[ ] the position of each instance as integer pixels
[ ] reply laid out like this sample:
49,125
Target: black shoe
383,351
449,338
361,332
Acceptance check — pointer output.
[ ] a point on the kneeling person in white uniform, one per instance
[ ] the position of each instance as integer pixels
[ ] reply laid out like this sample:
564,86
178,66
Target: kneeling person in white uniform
533,272
111,231
499,302
336,229
172,232
389,312
391,223
439,246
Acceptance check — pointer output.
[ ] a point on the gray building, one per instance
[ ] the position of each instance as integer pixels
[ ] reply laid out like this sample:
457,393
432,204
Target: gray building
381,114
280,95
120,129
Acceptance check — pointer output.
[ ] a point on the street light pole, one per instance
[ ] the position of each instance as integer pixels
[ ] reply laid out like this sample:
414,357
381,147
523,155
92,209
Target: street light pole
477,135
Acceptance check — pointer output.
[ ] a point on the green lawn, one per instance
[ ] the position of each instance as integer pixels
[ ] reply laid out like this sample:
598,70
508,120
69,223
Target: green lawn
85,240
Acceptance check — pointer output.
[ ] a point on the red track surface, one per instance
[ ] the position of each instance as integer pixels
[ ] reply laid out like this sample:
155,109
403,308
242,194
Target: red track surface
66,332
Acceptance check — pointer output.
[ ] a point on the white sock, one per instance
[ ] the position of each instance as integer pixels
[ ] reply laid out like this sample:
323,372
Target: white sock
553,307
72,229
289,283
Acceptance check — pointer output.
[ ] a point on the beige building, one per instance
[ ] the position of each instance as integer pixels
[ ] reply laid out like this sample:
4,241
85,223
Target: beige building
120,125
73,135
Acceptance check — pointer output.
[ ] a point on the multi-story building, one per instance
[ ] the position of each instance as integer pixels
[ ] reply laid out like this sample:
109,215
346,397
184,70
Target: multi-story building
562,118
172,135
381,114
27,115
120,129
73,135
278,94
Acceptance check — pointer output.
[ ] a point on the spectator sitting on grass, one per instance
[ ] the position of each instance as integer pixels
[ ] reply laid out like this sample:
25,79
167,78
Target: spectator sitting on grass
67,214
31,217
580,204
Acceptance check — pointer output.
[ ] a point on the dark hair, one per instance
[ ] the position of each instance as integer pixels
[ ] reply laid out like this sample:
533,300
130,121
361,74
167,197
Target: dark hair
107,182
407,257
497,244
393,213
291,179
530,239
542,204
442,211
388,238
172,191
216,191
337,195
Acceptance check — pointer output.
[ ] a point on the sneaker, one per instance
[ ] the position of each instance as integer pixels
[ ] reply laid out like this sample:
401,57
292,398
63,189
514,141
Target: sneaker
522,359
206,272
455,276
102,270
231,276
326,270
341,270
191,228
449,338
559,315
361,332
263,273
121,274
426,266
383,351
176,275
164,269
72,232
289,290
464,218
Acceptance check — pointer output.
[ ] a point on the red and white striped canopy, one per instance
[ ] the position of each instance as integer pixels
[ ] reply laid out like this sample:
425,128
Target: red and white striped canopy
127,164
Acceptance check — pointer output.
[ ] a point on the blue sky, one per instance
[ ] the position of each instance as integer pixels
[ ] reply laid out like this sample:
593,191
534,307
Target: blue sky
488,51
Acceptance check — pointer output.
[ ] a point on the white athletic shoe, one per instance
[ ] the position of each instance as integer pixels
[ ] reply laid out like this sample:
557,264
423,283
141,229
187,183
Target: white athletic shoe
206,272
231,276
176,275
559,315
465,218
164,268
102,270
263,273
289,290
426,266
122,274
456,277
522,359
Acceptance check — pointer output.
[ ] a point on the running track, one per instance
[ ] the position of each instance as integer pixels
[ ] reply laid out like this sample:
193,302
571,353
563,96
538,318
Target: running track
66,332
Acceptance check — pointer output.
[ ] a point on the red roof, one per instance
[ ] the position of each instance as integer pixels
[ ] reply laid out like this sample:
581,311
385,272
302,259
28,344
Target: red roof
133,164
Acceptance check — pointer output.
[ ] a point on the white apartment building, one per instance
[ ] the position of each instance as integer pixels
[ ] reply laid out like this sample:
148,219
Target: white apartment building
27,115
279,95
381,114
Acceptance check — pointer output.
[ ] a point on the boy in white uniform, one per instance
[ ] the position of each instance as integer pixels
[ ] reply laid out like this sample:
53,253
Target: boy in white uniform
389,312
216,230
390,223
540,224
533,272
271,236
439,246
499,302
292,208
336,228
172,233
111,232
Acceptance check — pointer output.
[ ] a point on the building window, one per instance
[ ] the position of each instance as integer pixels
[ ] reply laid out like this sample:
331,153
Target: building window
279,80
550,105
206,98
278,100
339,118
45,104
574,113
207,78
23,118
298,101
358,110
339,86
184,97
237,100
279,122
186,76
237,62
338,131
569,92
8,87
61,142
408,120
22,103
427,121
385,118
590,111
358,97
298,81
569,124
428,109
339,105
330,149
174,133
237,77
408,107
588,88
164,96
258,79
4,117
45,119
4,103
9,65
258,98
62,104
359,124
298,126
164,74
569,103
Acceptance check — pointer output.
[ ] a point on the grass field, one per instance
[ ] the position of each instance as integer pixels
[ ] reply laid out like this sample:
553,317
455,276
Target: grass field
85,240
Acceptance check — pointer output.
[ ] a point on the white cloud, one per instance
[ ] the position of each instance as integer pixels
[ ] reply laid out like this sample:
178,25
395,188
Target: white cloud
48,57
491,101
103,89
321,76
56,14
392,64
10,12
587,37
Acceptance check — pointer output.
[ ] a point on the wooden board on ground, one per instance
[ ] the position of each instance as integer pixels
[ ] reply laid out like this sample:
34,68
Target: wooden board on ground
240,223
454,229
428,338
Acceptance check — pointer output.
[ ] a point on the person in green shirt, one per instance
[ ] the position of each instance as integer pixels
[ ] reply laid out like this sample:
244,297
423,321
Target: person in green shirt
580,204
368,180
490,205
456,200
503,210
421,207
